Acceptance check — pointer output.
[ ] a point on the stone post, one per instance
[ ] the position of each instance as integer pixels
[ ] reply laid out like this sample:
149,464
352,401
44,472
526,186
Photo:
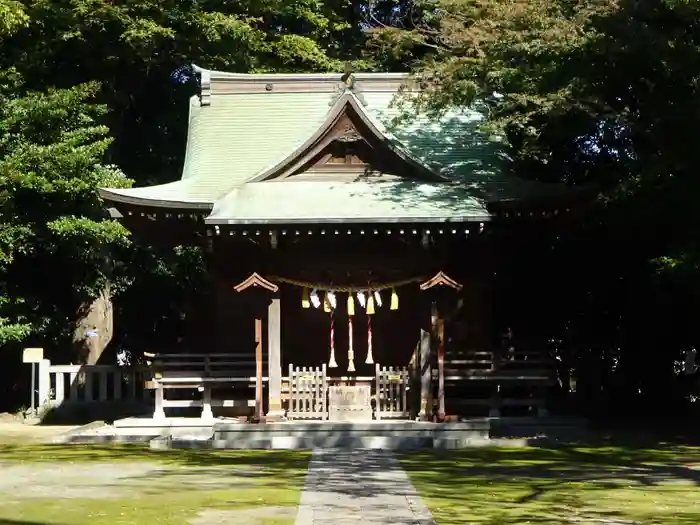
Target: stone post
274,358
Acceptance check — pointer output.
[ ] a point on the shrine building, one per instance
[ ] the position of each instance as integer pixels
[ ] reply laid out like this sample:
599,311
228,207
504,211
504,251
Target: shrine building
350,252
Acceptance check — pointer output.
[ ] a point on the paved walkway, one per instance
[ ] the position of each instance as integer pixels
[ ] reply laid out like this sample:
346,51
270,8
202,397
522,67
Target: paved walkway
367,487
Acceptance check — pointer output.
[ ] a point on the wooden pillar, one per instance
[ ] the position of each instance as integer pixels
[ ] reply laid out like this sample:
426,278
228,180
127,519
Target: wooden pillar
258,370
495,401
207,413
274,358
441,366
267,289
426,379
159,411
435,287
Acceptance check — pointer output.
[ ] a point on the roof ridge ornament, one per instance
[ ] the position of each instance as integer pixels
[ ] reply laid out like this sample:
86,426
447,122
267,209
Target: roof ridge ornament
349,133
204,85
347,85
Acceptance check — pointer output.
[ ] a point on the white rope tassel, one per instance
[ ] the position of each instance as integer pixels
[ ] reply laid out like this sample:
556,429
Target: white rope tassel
314,298
332,299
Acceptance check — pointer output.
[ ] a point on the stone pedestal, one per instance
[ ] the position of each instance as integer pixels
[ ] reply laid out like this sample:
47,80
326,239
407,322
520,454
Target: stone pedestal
350,403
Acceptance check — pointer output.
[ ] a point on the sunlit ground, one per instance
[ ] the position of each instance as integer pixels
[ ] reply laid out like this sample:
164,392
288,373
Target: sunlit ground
71,485
558,486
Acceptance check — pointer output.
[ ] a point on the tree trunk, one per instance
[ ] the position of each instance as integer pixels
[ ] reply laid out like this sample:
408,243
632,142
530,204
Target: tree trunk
94,329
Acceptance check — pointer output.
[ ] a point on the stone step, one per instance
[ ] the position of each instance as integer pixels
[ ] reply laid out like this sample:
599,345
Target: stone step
377,442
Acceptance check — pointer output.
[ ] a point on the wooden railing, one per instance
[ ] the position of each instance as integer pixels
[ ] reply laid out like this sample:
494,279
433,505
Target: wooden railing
61,385
504,379
206,373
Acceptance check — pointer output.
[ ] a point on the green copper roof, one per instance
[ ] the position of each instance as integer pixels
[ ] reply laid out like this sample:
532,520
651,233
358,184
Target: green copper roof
237,132
337,202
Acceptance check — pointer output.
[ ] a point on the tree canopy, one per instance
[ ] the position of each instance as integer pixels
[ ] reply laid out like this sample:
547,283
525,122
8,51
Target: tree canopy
594,93
599,93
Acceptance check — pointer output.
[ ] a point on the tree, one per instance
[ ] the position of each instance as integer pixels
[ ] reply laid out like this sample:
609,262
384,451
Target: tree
56,236
141,53
595,92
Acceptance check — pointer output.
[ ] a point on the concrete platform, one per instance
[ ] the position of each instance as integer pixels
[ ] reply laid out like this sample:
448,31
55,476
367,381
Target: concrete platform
221,433
140,430
385,435
166,425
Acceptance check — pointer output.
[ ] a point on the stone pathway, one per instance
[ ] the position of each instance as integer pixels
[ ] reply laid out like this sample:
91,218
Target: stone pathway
369,487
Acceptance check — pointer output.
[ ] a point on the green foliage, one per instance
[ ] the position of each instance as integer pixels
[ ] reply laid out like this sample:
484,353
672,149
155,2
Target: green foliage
12,332
133,49
88,86
12,17
601,93
591,91
51,149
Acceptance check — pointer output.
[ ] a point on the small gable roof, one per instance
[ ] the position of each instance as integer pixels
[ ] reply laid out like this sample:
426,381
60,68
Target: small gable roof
350,107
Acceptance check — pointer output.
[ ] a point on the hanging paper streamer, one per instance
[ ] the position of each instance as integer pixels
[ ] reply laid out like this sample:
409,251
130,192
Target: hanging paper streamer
351,305
361,298
331,299
377,298
305,303
351,352
370,305
370,358
332,362
394,305
315,301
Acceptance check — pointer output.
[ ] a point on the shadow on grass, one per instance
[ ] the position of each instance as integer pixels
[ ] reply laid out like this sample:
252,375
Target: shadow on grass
563,485
284,463
70,485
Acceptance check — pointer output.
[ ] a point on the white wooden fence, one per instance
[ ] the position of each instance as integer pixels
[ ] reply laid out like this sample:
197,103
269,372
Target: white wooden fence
391,392
307,388
308,393
60,385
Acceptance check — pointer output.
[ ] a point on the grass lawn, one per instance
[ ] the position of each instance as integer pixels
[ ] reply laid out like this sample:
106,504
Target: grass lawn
74,485
557,486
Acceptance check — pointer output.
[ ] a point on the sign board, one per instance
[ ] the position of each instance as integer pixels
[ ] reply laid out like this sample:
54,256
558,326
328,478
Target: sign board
33,355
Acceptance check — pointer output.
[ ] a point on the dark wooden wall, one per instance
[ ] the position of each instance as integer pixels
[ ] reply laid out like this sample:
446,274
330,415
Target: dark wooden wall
305,332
